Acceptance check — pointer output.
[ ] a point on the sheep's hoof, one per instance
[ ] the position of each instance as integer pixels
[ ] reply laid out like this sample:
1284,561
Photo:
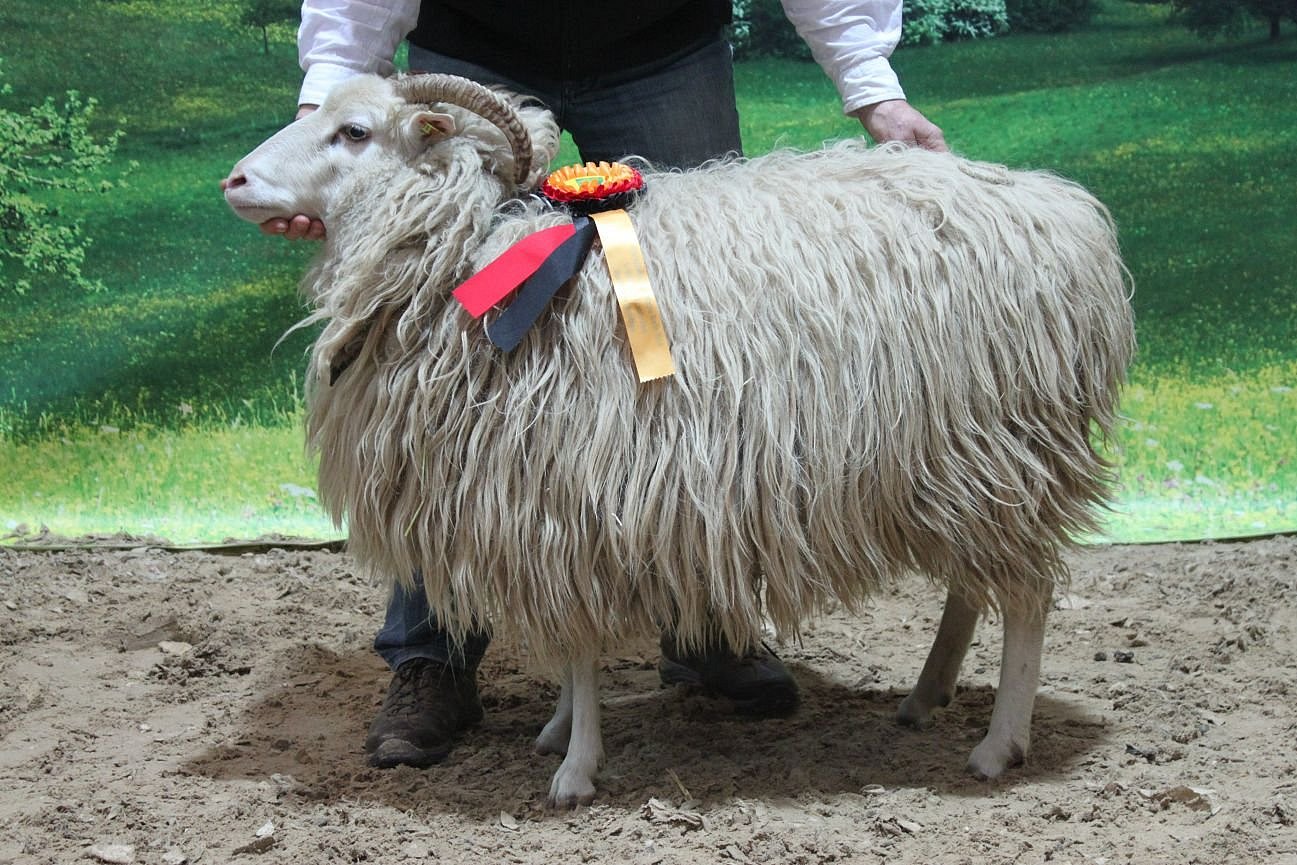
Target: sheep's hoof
544,748
913,714
916,712
552,741
570,789
991,757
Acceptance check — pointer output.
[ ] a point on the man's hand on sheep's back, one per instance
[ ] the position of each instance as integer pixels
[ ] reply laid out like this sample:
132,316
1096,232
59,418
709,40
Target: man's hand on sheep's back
898,120
300,227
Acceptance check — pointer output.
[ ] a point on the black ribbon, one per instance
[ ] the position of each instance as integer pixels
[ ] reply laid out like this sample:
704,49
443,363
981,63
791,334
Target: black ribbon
508,329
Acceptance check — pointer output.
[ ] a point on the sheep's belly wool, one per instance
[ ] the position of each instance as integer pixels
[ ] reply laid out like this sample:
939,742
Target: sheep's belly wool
888,360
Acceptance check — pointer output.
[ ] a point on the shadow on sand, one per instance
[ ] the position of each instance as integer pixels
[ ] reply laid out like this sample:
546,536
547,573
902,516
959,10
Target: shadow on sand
305,733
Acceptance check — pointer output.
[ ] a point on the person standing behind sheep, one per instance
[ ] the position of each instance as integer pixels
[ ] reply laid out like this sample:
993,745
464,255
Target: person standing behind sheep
649,78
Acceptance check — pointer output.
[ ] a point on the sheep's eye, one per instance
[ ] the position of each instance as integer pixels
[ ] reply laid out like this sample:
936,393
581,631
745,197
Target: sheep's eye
353,132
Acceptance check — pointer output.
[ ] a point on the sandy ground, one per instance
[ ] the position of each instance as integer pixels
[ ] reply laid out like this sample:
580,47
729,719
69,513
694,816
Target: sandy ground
160,707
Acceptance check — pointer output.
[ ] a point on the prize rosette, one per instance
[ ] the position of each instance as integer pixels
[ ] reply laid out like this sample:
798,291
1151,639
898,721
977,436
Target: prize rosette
593,187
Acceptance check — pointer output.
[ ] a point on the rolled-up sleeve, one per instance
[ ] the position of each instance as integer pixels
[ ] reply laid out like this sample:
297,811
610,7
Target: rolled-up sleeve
341,38
852,41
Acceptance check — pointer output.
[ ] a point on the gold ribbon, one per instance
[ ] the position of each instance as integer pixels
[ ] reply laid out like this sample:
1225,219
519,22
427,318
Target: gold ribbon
639,308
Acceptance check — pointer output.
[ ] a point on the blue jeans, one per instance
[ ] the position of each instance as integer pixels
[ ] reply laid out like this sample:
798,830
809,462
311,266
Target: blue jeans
675,113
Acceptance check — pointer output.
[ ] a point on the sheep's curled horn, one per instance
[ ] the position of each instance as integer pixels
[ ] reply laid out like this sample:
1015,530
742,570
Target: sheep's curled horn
482,101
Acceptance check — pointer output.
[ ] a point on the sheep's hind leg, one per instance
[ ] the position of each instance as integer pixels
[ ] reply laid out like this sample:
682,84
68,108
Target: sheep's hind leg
1009,736
936,685
573,783
554,738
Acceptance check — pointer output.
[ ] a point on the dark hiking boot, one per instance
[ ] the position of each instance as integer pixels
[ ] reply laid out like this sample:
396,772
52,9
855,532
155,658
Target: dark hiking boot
757,681
427,706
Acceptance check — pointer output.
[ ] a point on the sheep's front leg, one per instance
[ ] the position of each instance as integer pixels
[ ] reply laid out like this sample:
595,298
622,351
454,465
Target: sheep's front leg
936,685
554,738
573,783
1009,736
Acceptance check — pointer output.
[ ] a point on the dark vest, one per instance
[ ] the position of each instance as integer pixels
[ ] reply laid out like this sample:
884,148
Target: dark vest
567,39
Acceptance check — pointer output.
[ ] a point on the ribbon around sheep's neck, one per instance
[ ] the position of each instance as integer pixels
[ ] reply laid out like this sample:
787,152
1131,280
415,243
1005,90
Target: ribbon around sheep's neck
541,263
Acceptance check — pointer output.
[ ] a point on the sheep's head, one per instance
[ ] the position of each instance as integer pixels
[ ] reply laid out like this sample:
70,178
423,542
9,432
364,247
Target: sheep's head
367,120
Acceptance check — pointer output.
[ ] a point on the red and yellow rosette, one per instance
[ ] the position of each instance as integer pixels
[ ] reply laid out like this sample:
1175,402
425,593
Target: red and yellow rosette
593,186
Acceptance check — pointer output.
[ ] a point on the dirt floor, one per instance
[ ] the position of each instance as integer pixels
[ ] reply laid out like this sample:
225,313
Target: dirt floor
169,707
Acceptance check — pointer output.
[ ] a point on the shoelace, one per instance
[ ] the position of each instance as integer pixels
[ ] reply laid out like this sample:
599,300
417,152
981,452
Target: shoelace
409,684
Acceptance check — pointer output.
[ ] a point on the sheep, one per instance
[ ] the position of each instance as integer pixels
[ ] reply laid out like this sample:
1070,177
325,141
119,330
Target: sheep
889,361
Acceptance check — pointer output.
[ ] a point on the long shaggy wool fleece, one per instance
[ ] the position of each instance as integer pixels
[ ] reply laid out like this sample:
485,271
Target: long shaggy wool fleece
889,360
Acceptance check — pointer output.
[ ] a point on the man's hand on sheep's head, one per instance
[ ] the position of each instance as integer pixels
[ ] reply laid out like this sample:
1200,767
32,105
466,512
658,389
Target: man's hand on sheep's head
300,227
898,120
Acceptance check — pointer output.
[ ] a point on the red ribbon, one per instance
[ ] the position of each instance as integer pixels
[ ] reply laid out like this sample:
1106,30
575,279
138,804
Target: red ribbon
491,284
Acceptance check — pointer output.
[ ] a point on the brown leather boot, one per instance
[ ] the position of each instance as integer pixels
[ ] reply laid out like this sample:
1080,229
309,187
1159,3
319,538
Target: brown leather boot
756,681
427,705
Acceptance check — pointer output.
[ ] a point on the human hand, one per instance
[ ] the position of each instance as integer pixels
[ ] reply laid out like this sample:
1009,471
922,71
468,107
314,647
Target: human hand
898,120
300,227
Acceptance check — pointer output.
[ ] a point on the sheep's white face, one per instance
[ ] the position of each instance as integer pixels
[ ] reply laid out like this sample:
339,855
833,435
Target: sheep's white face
297,170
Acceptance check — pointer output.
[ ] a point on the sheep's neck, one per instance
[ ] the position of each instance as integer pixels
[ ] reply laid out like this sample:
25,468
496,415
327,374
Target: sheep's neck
387,263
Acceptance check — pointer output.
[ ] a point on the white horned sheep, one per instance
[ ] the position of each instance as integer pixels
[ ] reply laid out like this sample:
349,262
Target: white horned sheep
889,361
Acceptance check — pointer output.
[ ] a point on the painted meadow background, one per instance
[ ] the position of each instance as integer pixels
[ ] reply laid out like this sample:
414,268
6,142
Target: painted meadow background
159,398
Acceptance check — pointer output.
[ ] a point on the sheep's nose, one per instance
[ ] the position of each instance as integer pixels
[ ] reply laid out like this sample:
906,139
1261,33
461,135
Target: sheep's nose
234,181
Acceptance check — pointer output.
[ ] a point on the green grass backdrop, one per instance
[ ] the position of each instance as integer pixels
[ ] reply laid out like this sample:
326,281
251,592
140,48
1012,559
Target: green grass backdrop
166,404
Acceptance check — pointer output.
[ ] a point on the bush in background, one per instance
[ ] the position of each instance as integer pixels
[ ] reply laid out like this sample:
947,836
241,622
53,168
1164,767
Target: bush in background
48,149
1049,16
927,22
761,29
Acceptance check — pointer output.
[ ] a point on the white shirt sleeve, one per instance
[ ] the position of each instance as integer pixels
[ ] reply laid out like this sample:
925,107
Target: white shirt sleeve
852,41
342,38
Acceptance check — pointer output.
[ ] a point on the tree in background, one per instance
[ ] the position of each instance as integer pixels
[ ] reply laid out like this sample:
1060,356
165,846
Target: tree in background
45,150
263,13
1210,18
1049,16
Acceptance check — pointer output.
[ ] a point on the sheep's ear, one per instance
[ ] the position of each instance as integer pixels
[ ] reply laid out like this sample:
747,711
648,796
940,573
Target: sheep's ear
432,127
